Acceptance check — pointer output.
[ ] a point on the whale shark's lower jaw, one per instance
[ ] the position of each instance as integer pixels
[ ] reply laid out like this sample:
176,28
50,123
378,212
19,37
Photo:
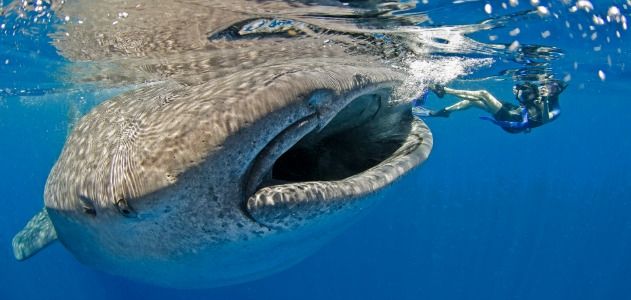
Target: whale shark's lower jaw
365,146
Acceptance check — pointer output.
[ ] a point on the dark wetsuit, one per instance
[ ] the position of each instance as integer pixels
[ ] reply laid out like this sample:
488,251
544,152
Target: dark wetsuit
511,118
509,112
516,119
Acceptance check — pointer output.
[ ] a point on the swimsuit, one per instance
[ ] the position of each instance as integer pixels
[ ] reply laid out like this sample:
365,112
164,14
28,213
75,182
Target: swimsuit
511,118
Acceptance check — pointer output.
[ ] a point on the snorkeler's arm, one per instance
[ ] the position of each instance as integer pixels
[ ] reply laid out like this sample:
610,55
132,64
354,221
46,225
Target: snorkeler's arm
554,113
545,115
550,111
550,105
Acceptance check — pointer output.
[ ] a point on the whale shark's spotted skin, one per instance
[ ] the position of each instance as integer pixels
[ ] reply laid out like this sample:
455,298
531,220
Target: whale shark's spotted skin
248,150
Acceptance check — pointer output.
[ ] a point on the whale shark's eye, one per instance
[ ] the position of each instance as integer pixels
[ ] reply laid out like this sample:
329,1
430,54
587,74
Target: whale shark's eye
124,209
88,205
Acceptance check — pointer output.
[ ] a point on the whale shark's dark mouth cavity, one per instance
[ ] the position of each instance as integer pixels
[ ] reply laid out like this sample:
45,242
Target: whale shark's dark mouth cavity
367,145
366,133
364,147
362,135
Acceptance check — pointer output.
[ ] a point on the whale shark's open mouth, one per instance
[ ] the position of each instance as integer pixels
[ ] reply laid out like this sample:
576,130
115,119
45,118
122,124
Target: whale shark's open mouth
367,145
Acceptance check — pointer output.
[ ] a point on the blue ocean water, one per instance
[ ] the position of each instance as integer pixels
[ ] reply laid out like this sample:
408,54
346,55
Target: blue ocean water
543,215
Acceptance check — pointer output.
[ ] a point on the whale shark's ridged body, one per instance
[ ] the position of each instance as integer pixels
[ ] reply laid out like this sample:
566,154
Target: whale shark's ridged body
242,157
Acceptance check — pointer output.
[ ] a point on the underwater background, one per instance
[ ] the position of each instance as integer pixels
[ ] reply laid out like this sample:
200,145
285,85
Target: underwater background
490,215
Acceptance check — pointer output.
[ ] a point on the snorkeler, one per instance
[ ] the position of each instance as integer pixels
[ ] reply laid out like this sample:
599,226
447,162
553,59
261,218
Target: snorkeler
537,105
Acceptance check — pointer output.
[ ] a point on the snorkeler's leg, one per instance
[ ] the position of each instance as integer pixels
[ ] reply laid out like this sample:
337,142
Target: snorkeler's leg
490,103
461,105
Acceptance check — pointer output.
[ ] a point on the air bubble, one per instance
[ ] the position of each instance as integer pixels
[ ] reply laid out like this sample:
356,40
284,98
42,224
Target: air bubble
567,78
584,5
614,13
543,11
488,8
598,20
601,75
513,46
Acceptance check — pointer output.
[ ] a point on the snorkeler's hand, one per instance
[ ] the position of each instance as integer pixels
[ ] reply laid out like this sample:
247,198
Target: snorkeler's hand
544,91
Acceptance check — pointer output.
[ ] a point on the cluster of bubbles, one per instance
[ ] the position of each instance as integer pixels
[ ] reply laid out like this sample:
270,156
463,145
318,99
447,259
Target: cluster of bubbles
35,12
610,18
517,29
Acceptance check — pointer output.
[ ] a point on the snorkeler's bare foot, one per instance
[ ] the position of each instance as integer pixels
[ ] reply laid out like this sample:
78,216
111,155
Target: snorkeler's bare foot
443,113
438,89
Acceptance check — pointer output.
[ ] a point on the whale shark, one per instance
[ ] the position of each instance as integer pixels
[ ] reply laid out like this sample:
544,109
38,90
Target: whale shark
255,132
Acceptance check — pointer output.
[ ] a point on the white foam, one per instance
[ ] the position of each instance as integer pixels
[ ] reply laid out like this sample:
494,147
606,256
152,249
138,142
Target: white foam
436,70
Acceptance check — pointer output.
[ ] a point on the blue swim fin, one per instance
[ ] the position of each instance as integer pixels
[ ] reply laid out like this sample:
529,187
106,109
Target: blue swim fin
420,101
421,111
417,105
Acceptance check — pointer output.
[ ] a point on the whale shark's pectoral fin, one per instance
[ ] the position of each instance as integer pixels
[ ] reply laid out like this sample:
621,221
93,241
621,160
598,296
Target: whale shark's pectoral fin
37,234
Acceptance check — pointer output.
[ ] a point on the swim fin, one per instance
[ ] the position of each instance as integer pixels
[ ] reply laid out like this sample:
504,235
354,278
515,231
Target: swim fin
417,106
421,111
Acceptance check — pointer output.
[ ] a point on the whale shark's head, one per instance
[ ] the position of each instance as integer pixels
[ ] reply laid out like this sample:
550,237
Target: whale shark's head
258,131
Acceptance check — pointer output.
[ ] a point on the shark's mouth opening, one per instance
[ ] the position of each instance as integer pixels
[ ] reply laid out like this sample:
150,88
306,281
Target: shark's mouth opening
361,136
366,145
